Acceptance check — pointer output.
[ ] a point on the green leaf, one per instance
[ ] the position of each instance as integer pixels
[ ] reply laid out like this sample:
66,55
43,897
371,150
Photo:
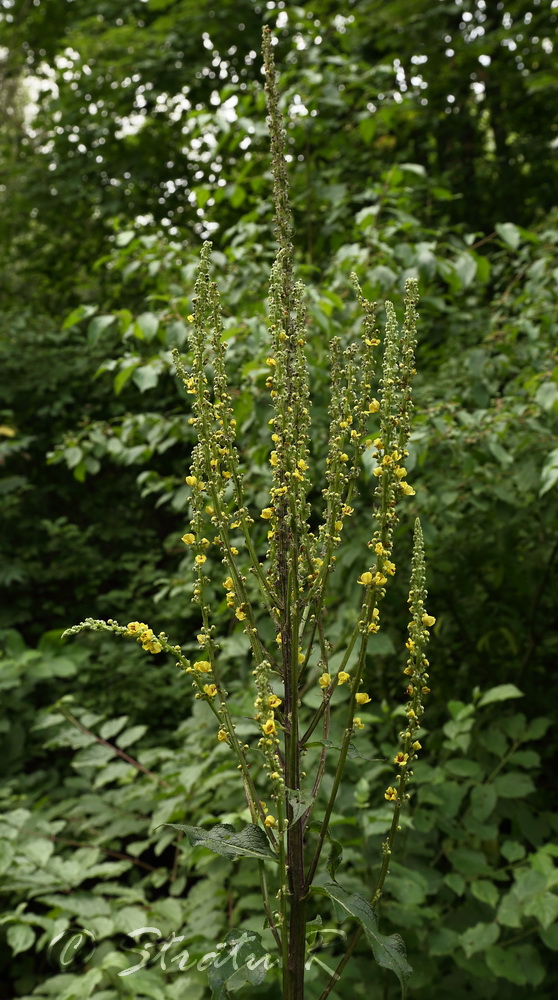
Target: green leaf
145,377
469,862
514,785
512,850
131,735
113,726
455,882
464,768
550,937
246,964
483,801
367,128
413,168
20,937
122,239
7,853
505,962
299,802
537,728
146,326
508,233
122,377
465,267
389,952
549,474
97,326
502,692
479,938
334,857
544,907
485,892
75,317
510,911
223,839
73,456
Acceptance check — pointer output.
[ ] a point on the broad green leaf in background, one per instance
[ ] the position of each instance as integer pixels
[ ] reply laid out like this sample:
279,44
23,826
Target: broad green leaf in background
247,963
502,692
509,233
389,952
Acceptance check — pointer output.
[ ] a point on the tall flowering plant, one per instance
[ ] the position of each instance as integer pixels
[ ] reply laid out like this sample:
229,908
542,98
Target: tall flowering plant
288,583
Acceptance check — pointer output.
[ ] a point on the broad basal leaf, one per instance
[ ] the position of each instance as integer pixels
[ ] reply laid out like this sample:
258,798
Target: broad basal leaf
389,952
223,839
242,960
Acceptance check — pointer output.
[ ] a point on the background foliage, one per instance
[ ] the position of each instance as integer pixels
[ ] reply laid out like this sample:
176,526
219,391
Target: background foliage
423,138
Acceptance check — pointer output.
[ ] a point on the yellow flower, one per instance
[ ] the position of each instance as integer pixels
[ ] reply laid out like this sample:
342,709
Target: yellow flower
373,406
407,490
428,620
343,677
344,457
190,319
240,614
400,472
210,690
373,627
200,559
391,794
274,461
416,746
362,698
191,480
365,579
409,671
153,647
324,681
273,701
266,513
271,362
380,579
301,657
358,723
302,464
389,567
188,539
339,525
135,627
222,736
401,759
202,666
228,584
270,821
377,471
379,549
269,727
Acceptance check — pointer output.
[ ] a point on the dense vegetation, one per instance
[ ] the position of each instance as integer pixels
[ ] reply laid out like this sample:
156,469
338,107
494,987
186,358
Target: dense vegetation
423,138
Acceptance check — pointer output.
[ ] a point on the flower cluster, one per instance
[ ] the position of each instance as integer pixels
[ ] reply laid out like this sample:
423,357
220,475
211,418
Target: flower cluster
145,636
415,670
